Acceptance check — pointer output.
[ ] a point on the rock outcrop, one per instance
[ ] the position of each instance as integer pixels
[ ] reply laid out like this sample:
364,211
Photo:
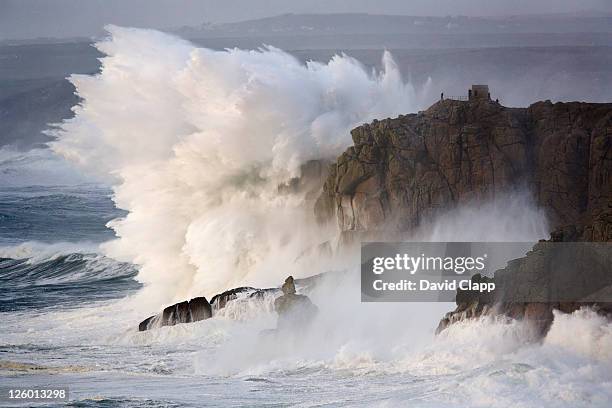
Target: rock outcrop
312,176
402,171
190,311
199,308
294,311
219,301
550,277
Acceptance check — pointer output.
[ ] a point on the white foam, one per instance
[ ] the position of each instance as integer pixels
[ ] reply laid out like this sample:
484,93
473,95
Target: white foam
196,142
36,252
584,333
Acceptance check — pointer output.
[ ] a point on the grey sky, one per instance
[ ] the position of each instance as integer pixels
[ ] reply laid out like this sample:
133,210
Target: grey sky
69,18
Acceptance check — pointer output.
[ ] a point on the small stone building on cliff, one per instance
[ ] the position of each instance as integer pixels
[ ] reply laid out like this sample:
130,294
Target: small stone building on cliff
479,92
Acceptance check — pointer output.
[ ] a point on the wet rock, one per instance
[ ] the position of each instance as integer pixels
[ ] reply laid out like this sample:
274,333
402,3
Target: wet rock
146,324
190,311
200,309
310,181
550,277
402,171
219,301
294,311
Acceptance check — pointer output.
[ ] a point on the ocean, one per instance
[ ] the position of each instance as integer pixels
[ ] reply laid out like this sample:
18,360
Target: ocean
97,234
69,318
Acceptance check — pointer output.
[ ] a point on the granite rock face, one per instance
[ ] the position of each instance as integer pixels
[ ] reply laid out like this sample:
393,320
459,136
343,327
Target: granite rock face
552,276
190,311
312,176
402,171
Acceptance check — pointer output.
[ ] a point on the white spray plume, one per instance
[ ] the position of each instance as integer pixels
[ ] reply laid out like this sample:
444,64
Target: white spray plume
350,334
196,141
512,216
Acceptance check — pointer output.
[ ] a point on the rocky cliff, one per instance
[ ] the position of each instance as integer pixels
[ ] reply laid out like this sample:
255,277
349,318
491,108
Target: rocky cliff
552,276
402,171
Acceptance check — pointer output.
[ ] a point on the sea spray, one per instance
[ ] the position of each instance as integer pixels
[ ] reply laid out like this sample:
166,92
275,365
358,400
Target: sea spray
391,337
511,217
196,142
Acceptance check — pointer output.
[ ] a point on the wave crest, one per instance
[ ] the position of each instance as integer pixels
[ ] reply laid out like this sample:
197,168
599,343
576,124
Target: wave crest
196,142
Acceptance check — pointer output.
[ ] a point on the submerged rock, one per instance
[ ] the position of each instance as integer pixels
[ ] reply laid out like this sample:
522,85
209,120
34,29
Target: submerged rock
190,311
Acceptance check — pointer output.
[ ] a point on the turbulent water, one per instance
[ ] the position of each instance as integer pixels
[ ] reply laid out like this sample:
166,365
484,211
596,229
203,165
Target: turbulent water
191,148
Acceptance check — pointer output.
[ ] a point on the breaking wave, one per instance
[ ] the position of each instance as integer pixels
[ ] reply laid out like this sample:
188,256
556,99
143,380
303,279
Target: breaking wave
196,143
39,276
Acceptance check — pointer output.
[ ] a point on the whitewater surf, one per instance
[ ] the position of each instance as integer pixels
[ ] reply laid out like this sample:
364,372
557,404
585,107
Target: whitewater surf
189,148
